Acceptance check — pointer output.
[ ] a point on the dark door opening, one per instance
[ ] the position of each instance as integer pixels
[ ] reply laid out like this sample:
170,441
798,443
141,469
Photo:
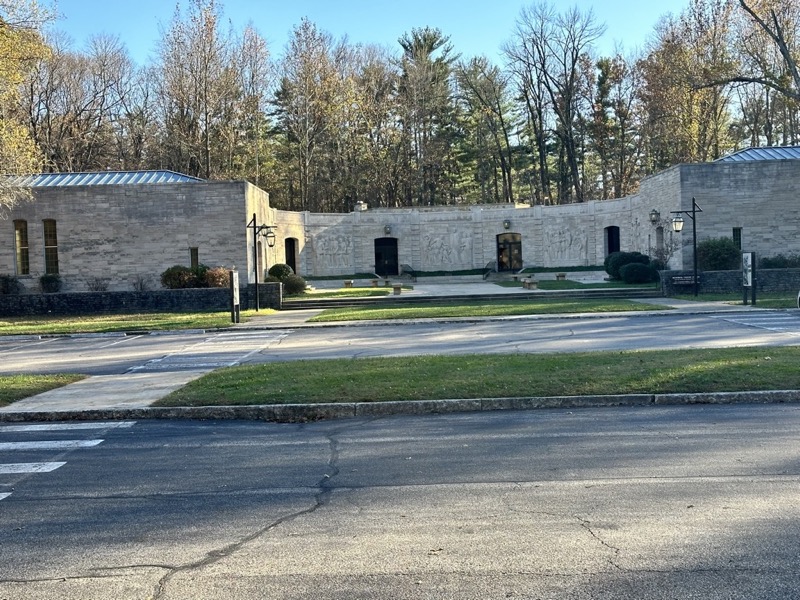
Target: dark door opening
290,248
386,262
612,239
509,252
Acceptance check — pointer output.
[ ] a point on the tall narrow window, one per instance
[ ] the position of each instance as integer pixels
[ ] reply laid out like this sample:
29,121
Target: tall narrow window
194,257
737,237
50,247
21,246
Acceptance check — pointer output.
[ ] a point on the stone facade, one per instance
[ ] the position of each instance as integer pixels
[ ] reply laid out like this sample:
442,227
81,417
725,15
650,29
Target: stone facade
127,233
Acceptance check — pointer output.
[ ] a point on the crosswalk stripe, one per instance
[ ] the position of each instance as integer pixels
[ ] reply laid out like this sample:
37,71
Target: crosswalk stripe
49,445
18,468
64,426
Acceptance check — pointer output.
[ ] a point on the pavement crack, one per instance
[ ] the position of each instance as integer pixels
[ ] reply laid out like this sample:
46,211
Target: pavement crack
322,498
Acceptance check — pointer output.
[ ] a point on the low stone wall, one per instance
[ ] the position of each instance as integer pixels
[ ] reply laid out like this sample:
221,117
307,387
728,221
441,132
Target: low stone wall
724,282
88,303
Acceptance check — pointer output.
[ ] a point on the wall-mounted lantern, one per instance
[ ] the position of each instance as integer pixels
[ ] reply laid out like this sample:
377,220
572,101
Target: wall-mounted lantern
655,216
507,224
387,229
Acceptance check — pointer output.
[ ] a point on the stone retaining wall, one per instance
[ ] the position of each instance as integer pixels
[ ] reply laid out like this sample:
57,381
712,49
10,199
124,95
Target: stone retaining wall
188,300
723,282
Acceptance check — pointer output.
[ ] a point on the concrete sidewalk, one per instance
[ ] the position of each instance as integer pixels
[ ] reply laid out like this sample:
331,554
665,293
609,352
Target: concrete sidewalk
129,395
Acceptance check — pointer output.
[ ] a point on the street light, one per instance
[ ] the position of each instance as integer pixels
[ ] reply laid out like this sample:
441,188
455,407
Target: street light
270,237
677,227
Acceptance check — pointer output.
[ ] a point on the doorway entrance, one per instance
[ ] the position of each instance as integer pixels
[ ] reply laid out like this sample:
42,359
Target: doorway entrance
290,250
612,239
509,252
386,262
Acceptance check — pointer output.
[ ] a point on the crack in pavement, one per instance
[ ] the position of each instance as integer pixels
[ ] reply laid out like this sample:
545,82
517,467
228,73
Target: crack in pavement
322,498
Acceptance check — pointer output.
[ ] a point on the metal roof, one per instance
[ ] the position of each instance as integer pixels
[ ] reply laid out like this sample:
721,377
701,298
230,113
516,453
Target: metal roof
765,153
104,178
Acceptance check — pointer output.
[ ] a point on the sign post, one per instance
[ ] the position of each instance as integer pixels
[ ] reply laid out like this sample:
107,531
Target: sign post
234,283
748,276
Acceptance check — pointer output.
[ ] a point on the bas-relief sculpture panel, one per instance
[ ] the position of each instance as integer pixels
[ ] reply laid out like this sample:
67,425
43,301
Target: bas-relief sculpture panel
449,248
332,251
565,245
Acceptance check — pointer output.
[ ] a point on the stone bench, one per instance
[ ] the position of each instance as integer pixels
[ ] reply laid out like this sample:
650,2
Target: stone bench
397,288
348,283
530,284
561,276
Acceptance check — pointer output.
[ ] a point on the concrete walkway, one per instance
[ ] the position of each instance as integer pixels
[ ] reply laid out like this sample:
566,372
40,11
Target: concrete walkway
129,395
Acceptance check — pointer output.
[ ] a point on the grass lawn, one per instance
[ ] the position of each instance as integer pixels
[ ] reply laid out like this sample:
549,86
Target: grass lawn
495,376
17,387
483,309
568,284
763,300
356,292
115,323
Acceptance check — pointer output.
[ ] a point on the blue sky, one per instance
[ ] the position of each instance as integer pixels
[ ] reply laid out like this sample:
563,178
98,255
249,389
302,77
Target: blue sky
475,27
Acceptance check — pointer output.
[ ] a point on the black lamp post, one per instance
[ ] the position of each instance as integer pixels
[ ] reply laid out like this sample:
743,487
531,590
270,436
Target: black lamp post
270,237
677,227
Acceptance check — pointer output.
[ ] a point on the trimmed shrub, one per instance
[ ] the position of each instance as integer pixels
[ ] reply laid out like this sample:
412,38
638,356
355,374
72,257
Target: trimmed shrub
293,285
780,262
271,279
178,277
281,271
50,283
638,273
9,284
616,260
217,277
718,254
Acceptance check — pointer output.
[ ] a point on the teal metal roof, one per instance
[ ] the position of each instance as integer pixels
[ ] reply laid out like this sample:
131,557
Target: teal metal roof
765,153
104,178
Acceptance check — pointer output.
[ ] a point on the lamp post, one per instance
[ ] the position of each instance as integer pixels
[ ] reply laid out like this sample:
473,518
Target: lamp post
677,227
270,237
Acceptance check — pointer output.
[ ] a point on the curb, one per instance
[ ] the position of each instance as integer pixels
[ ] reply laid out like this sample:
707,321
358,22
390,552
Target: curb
301,413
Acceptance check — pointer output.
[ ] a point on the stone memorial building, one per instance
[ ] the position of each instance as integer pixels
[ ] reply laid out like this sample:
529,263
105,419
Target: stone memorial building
128,227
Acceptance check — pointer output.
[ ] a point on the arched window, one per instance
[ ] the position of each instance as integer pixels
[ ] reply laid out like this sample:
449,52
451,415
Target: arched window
23,264
50,247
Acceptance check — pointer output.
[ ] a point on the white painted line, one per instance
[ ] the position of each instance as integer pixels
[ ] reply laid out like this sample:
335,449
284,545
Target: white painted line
45,467
5,495
65,426
49,445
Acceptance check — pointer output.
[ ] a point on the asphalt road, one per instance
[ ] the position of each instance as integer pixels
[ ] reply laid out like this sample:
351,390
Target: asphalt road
198,351
657,502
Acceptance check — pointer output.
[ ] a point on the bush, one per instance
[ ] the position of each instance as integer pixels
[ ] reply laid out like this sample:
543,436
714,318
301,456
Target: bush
638,273
281,271
718,254
178,277
10,285
293,285
97,284
50,283
217,277
616,260
780,262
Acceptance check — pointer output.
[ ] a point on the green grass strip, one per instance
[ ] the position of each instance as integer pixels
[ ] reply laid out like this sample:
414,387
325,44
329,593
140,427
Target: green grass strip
42,325
17,387
495,376
484,309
